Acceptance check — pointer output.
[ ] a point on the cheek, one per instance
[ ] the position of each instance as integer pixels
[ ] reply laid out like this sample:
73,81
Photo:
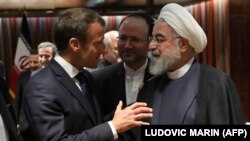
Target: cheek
119,49
143,48
93,52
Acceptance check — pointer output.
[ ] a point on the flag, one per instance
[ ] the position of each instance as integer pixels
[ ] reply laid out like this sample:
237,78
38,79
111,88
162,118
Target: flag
21,60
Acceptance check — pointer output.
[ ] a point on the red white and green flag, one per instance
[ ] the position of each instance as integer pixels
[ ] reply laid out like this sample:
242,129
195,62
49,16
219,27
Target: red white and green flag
21,60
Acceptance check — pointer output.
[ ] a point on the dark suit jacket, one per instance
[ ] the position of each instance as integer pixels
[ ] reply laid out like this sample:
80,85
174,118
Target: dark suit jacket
21,84
22,81
110,82
7,112
57,110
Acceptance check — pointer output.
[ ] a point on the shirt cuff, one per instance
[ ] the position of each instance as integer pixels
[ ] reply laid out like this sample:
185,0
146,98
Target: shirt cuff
113,130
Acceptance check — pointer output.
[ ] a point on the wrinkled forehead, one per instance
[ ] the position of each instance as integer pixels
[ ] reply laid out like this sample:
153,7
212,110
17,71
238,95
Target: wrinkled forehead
163,27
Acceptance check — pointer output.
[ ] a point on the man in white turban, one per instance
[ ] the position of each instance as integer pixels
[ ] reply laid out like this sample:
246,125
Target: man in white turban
185,91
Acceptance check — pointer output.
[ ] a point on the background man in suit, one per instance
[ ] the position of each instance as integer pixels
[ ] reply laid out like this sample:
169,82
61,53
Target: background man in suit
186,92
56,103
122,81
46,51
23,79
8,130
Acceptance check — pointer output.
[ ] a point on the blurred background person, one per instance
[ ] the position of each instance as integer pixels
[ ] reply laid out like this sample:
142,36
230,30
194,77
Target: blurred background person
46,51
8,128
23,79
34,63
111,55
1,68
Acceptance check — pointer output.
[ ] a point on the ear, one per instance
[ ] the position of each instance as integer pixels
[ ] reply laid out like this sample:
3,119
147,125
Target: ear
74,44
183,44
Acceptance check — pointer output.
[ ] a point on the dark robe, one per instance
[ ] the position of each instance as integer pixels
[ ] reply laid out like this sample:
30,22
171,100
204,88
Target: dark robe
217,98
217,101
178,99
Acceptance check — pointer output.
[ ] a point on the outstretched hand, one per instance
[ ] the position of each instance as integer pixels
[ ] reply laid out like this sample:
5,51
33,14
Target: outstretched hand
131,116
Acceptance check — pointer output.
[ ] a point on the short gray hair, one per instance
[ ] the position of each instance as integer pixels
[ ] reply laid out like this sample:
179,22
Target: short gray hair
48,44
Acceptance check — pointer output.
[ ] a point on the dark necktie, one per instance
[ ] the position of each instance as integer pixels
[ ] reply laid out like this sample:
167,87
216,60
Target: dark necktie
84,87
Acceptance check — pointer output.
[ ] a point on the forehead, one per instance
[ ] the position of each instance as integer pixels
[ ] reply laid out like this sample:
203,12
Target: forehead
134,26
96,30
34,56
162,27
45,50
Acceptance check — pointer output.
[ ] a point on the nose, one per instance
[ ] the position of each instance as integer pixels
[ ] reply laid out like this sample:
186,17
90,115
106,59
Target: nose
42,58
127,44
152,45
32,64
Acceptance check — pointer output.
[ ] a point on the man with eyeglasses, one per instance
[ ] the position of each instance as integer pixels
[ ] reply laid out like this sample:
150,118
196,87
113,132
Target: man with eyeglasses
122,81
186,92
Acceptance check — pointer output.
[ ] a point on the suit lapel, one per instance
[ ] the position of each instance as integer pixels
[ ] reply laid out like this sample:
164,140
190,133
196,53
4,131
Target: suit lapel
68,83
93,91
120,83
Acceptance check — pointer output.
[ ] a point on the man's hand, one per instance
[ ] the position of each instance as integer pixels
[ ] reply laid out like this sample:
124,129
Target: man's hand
131,116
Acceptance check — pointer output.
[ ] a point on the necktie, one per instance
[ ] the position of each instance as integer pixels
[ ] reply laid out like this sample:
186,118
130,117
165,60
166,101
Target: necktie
84,87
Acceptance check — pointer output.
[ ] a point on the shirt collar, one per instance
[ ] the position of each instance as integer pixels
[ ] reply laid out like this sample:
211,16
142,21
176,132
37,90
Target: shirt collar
71,70
130,72
181,71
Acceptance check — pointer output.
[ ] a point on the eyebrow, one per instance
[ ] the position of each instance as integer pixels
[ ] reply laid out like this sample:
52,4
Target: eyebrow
128,36
159,35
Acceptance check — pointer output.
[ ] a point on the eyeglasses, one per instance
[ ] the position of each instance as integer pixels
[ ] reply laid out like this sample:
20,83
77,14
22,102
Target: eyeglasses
161,39
132,40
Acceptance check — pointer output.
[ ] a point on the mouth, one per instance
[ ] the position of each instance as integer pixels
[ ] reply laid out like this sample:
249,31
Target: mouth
154,55
127,53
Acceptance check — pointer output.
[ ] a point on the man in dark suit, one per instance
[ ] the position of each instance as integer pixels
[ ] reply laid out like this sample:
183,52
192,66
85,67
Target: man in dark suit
57,104
21,84
8,126
122,81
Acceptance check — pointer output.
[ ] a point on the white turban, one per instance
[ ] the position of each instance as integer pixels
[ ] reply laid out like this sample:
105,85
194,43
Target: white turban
185,25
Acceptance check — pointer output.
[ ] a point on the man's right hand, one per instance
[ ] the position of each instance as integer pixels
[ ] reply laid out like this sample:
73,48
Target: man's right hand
131,116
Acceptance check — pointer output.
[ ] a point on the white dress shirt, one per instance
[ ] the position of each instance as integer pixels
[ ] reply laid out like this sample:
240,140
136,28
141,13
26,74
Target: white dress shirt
133,80
181,71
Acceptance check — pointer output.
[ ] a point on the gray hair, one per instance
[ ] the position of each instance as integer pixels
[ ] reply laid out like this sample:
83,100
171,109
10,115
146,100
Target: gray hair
48,44
107,37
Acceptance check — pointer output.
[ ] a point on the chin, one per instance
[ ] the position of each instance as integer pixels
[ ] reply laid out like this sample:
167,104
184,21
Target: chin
128,59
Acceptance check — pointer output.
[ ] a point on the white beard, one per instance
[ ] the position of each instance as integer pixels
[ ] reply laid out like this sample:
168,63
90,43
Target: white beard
168,58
